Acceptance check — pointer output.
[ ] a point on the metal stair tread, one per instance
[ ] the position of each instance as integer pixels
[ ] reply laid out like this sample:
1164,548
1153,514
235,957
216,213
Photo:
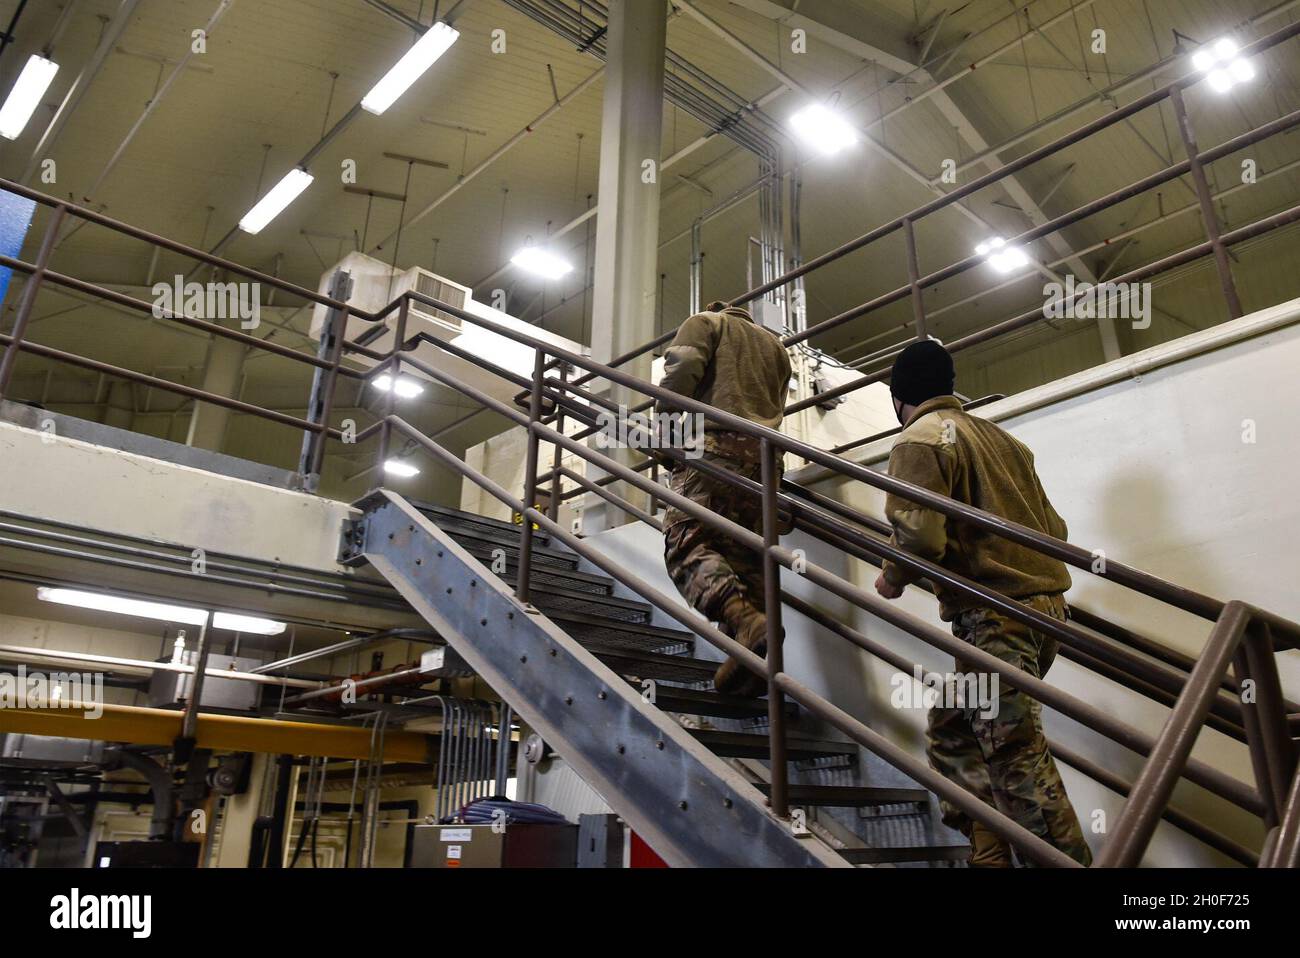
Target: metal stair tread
708,702
913,853
752,745
664,636
445,516
573,579
850,796
486,543
570,596
651,665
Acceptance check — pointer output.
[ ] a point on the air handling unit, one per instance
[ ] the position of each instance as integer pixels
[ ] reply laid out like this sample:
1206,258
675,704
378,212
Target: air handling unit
376,284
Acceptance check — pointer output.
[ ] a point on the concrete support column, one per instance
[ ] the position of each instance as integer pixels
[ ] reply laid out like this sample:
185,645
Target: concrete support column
625,289
221,375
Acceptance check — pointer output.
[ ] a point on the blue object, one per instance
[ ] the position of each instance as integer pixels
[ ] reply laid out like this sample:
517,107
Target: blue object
482,811
15,220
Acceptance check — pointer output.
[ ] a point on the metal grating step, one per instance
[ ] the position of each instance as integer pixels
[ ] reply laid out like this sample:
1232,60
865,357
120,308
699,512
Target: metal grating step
916,853
707,702
451,519
547,576
651,665
851,796
482,546
749,745
604,607
635,637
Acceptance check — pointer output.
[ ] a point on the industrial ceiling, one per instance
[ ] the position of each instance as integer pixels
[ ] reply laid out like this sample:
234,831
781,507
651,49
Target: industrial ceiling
277,75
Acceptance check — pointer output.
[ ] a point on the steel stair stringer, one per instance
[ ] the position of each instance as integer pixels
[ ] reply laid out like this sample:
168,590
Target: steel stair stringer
691,806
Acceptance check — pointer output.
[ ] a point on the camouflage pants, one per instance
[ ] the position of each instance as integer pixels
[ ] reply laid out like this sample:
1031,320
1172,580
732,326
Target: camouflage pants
706,566
1004,759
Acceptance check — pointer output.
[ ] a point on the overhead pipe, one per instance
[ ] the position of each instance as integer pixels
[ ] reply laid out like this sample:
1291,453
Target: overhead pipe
315,151
8,36
112,32
496,154
222,7
113,663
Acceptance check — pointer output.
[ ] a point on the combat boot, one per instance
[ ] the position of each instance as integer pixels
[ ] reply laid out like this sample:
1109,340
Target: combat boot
987,849
748,626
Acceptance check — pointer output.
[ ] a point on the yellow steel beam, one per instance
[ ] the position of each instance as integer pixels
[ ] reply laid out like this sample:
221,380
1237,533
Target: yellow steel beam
146,726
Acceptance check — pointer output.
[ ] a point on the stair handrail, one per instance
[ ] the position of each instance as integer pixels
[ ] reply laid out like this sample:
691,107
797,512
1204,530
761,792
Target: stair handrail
1226,636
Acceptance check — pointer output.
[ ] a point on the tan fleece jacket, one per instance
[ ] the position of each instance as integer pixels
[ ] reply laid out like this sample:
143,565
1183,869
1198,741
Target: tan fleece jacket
727,360
976,462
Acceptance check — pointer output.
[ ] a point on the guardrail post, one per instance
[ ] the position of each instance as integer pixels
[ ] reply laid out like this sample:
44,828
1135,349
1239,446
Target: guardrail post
530,478
914,278
1272,753
775,634
29,297
553,504
1206,200
320,403
1153,786
394,370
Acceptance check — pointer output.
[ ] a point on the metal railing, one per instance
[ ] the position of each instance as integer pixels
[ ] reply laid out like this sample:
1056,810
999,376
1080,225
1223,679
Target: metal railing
1201,692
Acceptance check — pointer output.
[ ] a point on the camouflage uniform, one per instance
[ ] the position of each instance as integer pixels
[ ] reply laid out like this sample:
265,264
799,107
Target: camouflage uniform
1004,759
707,566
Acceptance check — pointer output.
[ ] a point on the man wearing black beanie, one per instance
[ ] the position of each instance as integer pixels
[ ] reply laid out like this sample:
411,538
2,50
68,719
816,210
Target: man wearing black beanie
994,749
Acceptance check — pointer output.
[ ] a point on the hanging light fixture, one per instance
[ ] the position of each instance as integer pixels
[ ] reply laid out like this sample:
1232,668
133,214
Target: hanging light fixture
273,203
435,42
26,95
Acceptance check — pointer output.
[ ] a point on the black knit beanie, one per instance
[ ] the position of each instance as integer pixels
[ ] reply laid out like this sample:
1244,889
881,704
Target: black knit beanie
922,371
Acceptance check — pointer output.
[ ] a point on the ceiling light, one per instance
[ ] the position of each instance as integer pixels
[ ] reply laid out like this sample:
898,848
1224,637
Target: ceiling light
104,602
1220,81
232,622
1222,67
404,470
26,95
273,203
1225,49
410,68
541,262
1000,256
823,129
406,388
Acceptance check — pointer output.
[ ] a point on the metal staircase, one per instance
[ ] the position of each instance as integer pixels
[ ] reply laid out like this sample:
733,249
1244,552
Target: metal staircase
608,690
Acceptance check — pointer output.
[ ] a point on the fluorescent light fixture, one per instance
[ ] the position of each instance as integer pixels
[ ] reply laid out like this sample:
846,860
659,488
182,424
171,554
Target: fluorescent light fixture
396,467
273,203
26,95
823,129
1000,256
541,262
103,602
410,68
1222,67
233,622
406,388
